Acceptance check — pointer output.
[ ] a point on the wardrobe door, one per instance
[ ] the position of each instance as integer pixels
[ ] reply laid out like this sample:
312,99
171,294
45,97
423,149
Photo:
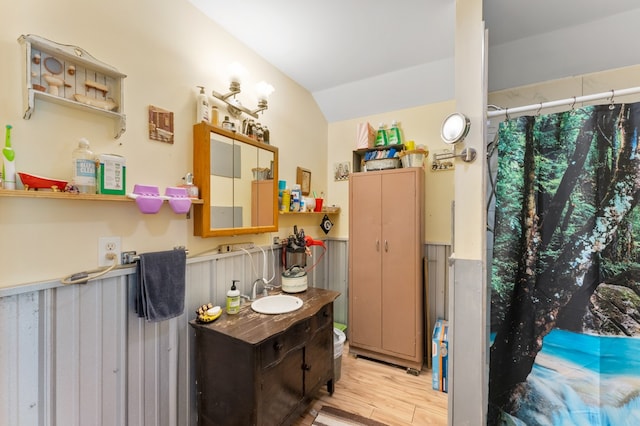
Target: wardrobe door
400,263
365,280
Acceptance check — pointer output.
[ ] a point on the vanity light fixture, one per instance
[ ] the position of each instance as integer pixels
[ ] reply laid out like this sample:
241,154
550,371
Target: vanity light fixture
455,128
236,73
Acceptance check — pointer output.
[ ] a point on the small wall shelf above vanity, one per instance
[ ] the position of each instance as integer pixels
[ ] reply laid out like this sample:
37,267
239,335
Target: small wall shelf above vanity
333,212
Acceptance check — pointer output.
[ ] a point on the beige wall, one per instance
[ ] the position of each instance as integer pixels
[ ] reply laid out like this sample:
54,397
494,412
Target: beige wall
165,51
421,124
587,84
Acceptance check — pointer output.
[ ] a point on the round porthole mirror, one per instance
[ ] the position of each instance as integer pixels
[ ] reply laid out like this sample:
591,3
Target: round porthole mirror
454,128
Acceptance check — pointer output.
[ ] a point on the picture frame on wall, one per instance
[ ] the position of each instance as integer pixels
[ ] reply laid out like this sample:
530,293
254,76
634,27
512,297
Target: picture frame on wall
341,171
303,178
160,124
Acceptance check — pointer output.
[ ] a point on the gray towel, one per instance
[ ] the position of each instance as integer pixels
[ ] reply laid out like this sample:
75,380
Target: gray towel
161,285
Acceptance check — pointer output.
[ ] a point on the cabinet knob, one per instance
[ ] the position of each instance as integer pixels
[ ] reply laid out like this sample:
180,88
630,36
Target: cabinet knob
325,314
277,346
377,245
386,245
306,367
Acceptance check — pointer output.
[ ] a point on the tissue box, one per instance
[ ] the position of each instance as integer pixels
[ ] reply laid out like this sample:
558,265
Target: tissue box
440,356
365,136
111,174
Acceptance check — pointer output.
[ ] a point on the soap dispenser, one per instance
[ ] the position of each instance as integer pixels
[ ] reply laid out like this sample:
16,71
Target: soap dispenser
233,299
202,107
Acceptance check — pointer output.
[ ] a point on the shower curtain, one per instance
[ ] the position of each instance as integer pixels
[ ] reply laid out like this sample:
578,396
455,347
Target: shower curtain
565,272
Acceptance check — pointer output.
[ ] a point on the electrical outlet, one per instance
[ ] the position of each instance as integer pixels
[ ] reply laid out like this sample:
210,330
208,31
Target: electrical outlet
225,248
108,245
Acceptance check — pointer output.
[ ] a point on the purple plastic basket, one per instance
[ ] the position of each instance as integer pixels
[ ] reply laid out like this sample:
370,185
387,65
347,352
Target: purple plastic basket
179,200
148,198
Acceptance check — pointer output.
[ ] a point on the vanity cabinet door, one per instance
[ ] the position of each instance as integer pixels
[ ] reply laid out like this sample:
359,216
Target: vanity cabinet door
318,361
318,357
226,375
282,388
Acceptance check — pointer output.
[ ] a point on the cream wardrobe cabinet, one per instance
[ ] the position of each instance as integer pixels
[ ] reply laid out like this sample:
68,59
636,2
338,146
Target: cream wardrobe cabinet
386,223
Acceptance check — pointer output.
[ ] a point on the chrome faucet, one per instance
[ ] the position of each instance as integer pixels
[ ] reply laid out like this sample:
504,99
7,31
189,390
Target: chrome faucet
254,288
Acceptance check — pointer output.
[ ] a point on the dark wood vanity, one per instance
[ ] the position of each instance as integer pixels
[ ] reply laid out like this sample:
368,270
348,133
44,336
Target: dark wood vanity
257,369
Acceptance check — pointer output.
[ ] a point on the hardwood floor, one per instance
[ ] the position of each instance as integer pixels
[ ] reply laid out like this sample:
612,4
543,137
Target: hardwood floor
382,392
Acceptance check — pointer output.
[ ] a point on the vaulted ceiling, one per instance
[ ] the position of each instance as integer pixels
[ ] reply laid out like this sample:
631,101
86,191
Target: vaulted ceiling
360,57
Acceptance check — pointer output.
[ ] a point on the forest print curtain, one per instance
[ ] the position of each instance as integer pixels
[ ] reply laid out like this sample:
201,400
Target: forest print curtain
565,326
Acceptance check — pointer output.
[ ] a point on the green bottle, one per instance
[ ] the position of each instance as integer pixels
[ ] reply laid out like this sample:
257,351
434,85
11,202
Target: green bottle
8,162
394,134
381,137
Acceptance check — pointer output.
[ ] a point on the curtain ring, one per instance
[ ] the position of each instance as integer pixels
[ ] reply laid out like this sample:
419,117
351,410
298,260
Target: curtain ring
539,109
506,114
612,106
573,106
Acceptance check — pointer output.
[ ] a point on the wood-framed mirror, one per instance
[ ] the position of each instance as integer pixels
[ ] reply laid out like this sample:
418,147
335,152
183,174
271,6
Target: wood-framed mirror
237,179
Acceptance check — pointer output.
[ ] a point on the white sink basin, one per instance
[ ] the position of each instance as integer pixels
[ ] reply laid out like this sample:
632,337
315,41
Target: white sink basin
277,304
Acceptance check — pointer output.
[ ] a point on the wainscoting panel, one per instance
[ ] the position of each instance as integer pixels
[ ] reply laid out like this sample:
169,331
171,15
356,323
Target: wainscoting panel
79,355
88,373
336,271
20,376
438,281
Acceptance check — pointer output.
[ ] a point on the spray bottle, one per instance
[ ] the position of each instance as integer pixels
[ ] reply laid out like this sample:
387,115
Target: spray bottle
8,162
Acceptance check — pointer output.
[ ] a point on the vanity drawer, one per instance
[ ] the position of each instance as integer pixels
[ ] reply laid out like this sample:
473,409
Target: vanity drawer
323,318
277,347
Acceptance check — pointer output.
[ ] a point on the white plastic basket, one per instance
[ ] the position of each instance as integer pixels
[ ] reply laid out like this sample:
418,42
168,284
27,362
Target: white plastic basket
413,158
382,164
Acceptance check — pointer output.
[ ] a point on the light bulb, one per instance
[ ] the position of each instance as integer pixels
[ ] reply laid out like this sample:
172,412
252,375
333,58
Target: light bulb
264,90
237,72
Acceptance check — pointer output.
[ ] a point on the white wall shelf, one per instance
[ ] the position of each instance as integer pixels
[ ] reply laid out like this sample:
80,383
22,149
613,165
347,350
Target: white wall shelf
68,75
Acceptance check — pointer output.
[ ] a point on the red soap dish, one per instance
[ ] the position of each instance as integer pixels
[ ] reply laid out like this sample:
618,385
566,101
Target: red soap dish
38,182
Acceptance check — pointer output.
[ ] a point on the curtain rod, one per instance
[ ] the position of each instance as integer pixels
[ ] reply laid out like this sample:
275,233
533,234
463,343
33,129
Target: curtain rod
568,101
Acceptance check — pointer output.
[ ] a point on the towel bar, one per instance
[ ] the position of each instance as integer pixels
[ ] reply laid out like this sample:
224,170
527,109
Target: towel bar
129,257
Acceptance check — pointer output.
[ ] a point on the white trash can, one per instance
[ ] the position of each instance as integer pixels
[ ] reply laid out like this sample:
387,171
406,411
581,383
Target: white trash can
338,345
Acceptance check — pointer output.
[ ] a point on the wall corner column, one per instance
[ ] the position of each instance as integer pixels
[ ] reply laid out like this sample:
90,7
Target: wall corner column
468,311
